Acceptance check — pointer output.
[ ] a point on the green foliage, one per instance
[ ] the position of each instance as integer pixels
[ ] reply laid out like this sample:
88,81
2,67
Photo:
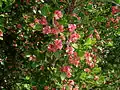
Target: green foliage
117,1
26,59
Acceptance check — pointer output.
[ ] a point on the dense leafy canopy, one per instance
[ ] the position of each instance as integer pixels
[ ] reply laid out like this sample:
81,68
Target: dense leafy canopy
59,44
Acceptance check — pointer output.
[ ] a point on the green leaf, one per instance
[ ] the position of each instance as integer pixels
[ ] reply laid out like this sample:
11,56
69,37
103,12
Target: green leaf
27,86
67,87
96,70
27,54
81,53
110,43
45,10
33,83
57,55
74,20
88,41
89,7
1,20
1,38
83,76
4,0
34,65
93,41
86,20
63,21
81,34
117,1
38,27
2,63
62,76
90,77
101,79
27,78
80,14
0,3
100,19
91,29
58,85
118,33
75,46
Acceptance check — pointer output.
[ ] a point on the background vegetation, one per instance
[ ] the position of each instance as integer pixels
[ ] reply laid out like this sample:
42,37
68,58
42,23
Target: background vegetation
59,44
